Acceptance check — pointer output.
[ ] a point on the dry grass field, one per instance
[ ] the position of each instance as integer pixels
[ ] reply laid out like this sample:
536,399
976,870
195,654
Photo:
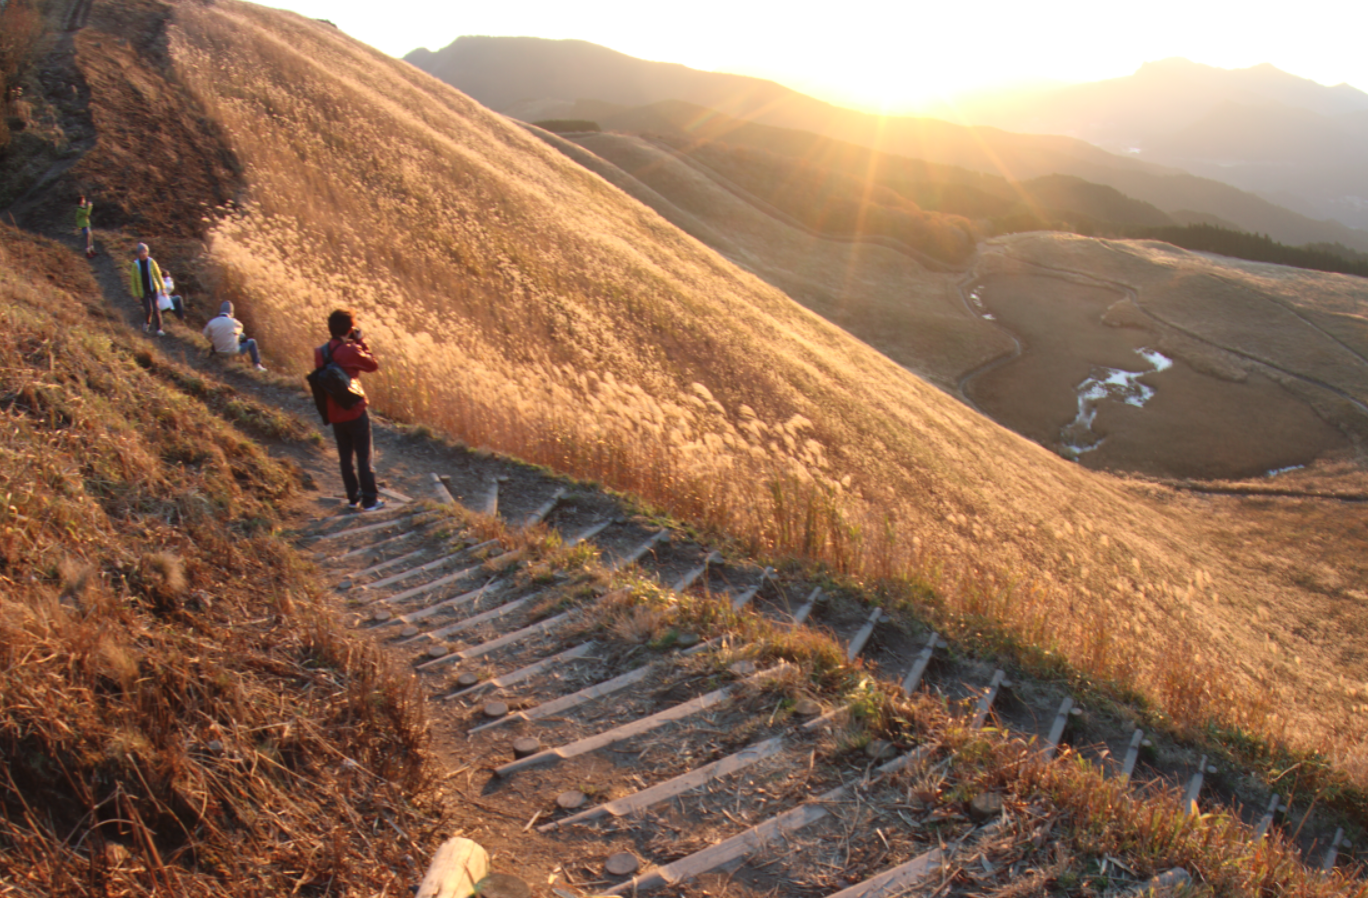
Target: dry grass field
519,302
153,622
883,296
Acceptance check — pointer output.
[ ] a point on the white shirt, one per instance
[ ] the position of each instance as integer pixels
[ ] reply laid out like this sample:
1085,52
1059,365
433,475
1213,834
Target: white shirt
224,331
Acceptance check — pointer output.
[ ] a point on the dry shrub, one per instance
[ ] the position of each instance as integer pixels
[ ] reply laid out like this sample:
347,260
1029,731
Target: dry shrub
241,744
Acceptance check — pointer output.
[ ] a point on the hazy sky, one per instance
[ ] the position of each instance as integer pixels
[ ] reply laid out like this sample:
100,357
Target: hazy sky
896,54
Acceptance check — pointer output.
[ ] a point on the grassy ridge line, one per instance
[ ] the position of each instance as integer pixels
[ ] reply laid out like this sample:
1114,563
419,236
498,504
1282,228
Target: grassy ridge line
524,305
177,714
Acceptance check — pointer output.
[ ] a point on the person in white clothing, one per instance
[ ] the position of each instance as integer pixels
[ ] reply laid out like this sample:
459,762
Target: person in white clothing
225,332
173,301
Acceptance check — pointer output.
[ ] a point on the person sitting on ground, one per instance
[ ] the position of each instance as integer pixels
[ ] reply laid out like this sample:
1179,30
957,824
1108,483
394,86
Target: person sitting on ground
83,210
351,426
225,332
174,302
143,280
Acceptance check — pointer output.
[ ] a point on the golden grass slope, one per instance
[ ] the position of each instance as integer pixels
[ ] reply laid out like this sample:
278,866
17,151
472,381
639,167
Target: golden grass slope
174,702
520,302
882,296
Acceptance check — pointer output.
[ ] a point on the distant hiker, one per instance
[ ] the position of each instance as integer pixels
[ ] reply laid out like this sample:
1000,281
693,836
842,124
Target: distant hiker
144,279
168,299
226,333
83,210
351,426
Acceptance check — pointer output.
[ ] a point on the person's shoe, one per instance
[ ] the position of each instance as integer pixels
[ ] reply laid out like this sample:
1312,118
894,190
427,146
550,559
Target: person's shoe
379,504
161,333
261,367
147,328
354,506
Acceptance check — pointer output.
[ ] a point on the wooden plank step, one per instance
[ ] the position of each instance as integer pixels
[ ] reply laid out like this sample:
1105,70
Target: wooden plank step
1335,845
546,508
396,560
742,599
462,599
802,614
483,617
897,880
350,519
751,840
640,551
919,665
1133,753
383,543
1066,712
574,699
985,704
685,782
633,728
857,642
440,491
1266,821
436,564
589,533
507,639
688,579
525,672
490,505
382,526
395,495
454,577
1194,787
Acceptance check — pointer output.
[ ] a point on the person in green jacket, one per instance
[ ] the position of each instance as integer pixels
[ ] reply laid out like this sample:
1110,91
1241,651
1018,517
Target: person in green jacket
144,278
83,210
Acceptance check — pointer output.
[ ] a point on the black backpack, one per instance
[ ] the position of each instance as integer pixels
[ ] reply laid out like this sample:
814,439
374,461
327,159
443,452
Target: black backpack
331,379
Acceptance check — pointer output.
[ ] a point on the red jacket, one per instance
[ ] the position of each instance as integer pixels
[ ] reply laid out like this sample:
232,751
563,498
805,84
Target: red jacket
354,357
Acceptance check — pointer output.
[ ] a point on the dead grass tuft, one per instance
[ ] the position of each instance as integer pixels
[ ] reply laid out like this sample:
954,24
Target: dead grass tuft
177,713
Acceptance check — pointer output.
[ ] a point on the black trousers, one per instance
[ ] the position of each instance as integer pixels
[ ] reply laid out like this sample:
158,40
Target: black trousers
354,445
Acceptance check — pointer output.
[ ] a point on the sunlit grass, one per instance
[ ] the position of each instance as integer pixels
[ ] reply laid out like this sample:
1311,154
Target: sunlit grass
519,303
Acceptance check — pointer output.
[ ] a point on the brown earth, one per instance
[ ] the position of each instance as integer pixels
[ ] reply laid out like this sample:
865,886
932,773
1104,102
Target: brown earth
1196,426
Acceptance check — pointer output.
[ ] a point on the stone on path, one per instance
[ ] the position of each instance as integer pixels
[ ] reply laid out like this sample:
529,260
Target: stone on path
880,749
985,806
688,640
455,869
503,885
437,651
624,863
495,710
807,707
409,631
526,746
381,615
571,800
467,679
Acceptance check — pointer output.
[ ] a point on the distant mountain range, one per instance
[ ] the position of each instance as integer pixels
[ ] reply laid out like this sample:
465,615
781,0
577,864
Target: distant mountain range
1289,139
533,79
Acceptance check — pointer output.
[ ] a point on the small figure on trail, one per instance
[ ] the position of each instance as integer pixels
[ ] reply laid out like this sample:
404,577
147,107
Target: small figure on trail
226,334
350,422
168,299
83,210
144,280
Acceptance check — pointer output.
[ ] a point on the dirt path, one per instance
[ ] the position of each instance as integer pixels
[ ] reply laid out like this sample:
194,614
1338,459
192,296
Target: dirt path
992,364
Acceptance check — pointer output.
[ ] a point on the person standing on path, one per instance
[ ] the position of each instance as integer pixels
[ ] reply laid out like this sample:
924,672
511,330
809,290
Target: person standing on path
351,426
83,210
144,281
